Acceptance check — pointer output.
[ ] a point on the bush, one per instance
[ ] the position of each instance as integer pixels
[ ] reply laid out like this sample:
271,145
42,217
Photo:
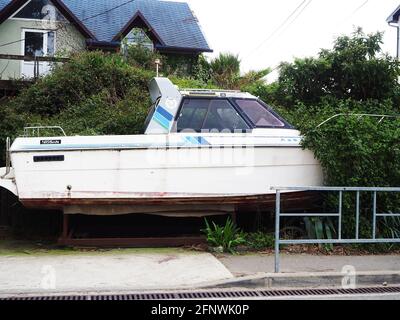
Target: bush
353,151
227,237
93,94
86,75
260,241
189,83
354,69
142,57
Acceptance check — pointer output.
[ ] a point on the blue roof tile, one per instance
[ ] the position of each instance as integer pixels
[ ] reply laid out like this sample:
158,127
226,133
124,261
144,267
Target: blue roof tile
174,22
3,3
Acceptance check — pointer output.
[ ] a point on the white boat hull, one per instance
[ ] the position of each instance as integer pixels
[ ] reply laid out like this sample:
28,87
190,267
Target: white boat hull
126,174
89,171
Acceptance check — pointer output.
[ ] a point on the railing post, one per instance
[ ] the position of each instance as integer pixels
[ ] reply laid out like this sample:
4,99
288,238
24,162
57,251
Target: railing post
8,158
34,68
374,218
340,214
358,216
277,229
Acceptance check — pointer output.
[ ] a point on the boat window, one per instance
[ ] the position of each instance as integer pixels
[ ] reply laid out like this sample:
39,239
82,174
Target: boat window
193,114
259,114
209,115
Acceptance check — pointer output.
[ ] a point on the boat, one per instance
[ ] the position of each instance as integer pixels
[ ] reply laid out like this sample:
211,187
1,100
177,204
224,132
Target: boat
202,153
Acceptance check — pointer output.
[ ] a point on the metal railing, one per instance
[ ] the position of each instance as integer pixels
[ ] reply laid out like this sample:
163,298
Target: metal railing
338,215
8,158
359,115
35,131
35,59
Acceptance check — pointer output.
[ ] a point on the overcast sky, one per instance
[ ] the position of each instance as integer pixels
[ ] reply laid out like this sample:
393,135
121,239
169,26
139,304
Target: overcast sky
245,27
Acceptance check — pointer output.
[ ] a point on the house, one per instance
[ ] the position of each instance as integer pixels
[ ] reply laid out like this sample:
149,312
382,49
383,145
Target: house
41,28
394,21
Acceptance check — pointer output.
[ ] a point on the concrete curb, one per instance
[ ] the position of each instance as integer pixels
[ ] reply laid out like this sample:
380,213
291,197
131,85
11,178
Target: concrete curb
255,282
307,280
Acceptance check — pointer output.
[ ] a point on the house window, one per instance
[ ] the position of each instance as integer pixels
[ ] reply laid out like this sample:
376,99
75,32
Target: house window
39,10
34,44
209,115
139,37
39,43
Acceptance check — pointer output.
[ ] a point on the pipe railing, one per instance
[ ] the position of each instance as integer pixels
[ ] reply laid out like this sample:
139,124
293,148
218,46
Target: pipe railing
338,215
359,115
8,157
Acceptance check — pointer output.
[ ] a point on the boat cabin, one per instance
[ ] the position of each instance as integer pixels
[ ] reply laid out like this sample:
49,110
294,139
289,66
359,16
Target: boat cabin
207,111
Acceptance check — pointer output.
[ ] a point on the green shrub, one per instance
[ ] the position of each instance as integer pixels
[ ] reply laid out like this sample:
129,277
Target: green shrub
352,78
354,69
93,94
227,237
189,83
86,75
260,240
142,57
353,151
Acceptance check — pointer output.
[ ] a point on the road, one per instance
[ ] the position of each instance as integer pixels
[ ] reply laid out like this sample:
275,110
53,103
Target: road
381,297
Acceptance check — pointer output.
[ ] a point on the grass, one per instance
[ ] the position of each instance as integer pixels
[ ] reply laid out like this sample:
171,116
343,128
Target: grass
19,248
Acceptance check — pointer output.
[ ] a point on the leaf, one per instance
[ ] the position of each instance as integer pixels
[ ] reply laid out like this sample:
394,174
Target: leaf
319,229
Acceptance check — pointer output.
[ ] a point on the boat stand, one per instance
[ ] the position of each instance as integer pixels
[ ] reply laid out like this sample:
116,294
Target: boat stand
67,239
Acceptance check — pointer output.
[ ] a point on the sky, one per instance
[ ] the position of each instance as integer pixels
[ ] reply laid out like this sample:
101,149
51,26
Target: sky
246,27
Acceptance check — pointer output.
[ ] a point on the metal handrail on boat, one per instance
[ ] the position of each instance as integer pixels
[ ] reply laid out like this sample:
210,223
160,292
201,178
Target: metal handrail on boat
360,115
8,157
209,90
27,130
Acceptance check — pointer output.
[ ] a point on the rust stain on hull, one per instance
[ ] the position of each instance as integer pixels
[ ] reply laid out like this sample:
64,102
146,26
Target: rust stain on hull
289,200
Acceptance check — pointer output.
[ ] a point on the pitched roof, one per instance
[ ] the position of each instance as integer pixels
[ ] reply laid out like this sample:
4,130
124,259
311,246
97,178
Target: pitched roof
3,3
394,17
173,22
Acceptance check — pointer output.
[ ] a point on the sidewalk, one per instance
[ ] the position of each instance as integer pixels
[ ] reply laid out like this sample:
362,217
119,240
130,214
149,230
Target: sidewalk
254,264
310,271
184,270
108,272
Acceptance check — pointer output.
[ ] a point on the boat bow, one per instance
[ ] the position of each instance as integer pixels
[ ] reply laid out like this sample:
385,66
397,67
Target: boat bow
7,180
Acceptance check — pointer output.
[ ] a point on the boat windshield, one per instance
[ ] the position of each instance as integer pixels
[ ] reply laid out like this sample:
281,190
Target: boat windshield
259,115
210,115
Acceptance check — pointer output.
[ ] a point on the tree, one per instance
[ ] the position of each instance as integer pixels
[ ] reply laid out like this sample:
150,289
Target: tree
225,70
225,73
355,68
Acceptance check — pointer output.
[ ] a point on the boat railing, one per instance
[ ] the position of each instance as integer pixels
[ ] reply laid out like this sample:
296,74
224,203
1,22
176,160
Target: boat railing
35,130
209,90
359,115
8,157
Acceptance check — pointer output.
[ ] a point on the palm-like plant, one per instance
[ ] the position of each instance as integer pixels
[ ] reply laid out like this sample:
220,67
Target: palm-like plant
225,72
227,237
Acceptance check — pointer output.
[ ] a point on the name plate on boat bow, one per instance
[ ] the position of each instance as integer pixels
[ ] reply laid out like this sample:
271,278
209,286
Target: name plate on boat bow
50,141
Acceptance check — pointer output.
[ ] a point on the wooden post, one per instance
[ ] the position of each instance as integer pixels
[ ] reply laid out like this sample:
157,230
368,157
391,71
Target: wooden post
36,68
234,216
65,226
2,211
